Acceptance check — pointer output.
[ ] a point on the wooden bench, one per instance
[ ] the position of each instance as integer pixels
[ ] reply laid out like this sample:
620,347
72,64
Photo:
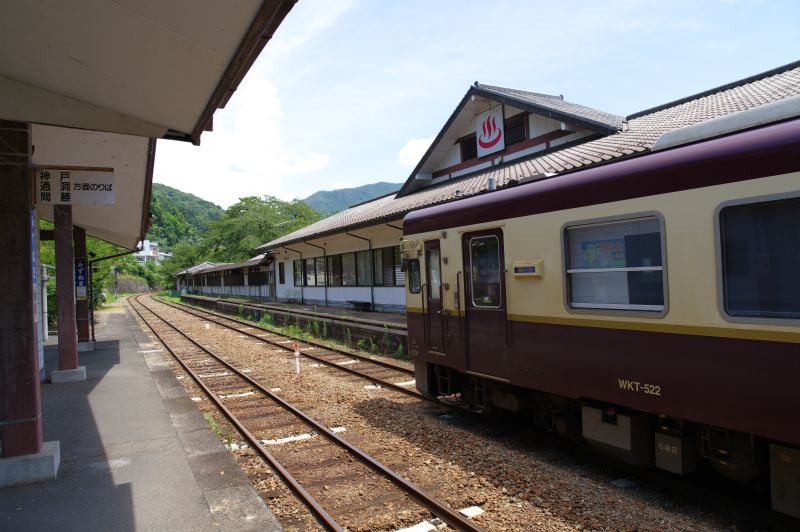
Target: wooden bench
362,306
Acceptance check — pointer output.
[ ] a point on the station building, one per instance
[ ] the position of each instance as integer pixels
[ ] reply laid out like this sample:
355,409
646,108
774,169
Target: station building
353,257
495,138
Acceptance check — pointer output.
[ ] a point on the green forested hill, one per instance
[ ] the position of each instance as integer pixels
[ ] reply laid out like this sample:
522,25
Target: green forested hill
327,202
179,217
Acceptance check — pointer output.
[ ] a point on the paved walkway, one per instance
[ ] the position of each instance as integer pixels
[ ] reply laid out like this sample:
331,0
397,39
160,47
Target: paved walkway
136,454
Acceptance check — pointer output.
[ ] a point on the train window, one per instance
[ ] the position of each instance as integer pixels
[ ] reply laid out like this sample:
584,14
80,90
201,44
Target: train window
484,260
412,272
760,251
616,265
434,271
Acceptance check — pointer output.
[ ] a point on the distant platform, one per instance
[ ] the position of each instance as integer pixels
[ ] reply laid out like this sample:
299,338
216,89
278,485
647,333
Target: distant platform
395,320
136,454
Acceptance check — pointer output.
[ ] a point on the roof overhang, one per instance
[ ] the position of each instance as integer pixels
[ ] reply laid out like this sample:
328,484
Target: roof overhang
124,223
137,67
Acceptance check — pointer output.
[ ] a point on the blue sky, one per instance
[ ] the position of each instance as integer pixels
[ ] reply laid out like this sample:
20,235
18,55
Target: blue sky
350,92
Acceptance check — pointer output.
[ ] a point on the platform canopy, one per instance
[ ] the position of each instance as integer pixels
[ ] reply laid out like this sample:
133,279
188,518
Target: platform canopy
114,75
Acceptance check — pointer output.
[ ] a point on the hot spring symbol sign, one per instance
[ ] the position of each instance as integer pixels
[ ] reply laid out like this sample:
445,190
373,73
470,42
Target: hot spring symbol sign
489,131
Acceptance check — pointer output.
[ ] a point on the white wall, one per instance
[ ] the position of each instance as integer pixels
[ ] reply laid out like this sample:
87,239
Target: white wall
381,235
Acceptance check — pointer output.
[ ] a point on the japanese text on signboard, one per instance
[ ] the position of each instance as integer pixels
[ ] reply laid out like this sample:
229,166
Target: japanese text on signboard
70,186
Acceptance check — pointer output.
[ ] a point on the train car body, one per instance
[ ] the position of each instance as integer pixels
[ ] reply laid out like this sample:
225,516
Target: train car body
650,305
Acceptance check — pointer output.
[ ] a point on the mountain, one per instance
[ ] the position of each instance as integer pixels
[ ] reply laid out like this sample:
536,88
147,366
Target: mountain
179,217
328,202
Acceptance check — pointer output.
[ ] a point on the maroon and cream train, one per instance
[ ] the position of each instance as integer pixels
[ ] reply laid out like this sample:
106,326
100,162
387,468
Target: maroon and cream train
651,305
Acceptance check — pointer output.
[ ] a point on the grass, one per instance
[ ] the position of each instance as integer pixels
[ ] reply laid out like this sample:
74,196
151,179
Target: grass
224,434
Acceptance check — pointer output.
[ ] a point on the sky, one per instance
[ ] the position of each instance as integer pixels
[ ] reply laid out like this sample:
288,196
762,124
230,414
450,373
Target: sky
351,92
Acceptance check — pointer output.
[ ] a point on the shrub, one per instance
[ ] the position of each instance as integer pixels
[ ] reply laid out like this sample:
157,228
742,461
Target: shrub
266,320
348,337
386,339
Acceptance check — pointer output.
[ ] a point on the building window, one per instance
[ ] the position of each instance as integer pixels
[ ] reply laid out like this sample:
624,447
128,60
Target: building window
364,268
383,266
616,265
335,270
412,271
469,148
399,274
297,270
349,270
281,273
484,265
320,266
760,251
311,274
515,129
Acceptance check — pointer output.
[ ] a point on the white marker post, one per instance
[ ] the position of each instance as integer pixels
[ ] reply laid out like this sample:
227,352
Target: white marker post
296,358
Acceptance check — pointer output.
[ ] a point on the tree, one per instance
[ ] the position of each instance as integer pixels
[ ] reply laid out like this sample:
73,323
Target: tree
251,222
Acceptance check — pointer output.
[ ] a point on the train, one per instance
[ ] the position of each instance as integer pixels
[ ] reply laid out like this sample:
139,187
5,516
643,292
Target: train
650,306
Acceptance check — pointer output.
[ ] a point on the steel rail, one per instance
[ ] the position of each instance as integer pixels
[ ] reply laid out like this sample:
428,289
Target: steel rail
184,307
439,509
315,507
370,378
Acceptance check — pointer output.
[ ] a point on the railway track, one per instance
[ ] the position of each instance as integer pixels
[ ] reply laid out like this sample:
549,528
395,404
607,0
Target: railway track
338,482
378,372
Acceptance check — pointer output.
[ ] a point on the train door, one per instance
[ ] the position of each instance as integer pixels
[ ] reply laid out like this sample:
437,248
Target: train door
487,326
433,296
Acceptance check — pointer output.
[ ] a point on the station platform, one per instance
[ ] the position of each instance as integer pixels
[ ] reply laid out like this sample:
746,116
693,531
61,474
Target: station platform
395,320
378,332
136,454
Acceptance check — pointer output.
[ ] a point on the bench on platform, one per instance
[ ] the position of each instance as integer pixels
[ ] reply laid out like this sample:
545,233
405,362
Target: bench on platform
363,306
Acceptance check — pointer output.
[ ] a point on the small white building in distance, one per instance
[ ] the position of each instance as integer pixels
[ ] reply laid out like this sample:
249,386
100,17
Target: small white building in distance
150,253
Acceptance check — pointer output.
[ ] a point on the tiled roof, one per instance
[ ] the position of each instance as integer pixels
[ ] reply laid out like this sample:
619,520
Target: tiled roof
639,136
557,104
255,261
197,268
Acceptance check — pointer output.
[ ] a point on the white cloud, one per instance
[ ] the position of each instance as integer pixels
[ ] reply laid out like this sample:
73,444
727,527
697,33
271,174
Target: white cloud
245,154
305,20
412,151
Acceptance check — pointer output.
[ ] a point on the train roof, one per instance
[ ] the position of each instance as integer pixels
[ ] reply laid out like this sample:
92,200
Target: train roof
637,137
751,154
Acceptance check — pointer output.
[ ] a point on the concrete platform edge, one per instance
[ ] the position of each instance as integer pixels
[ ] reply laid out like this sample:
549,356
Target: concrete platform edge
233,502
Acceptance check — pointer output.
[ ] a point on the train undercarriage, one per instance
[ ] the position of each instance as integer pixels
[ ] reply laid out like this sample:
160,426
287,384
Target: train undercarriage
639,438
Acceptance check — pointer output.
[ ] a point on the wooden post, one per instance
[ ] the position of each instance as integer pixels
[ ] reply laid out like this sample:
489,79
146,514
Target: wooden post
65,288
20,392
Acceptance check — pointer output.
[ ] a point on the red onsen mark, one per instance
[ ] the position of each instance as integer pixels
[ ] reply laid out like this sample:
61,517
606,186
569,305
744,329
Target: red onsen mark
490,130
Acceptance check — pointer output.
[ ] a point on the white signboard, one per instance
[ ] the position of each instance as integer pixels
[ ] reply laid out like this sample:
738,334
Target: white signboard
489,131
74,185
